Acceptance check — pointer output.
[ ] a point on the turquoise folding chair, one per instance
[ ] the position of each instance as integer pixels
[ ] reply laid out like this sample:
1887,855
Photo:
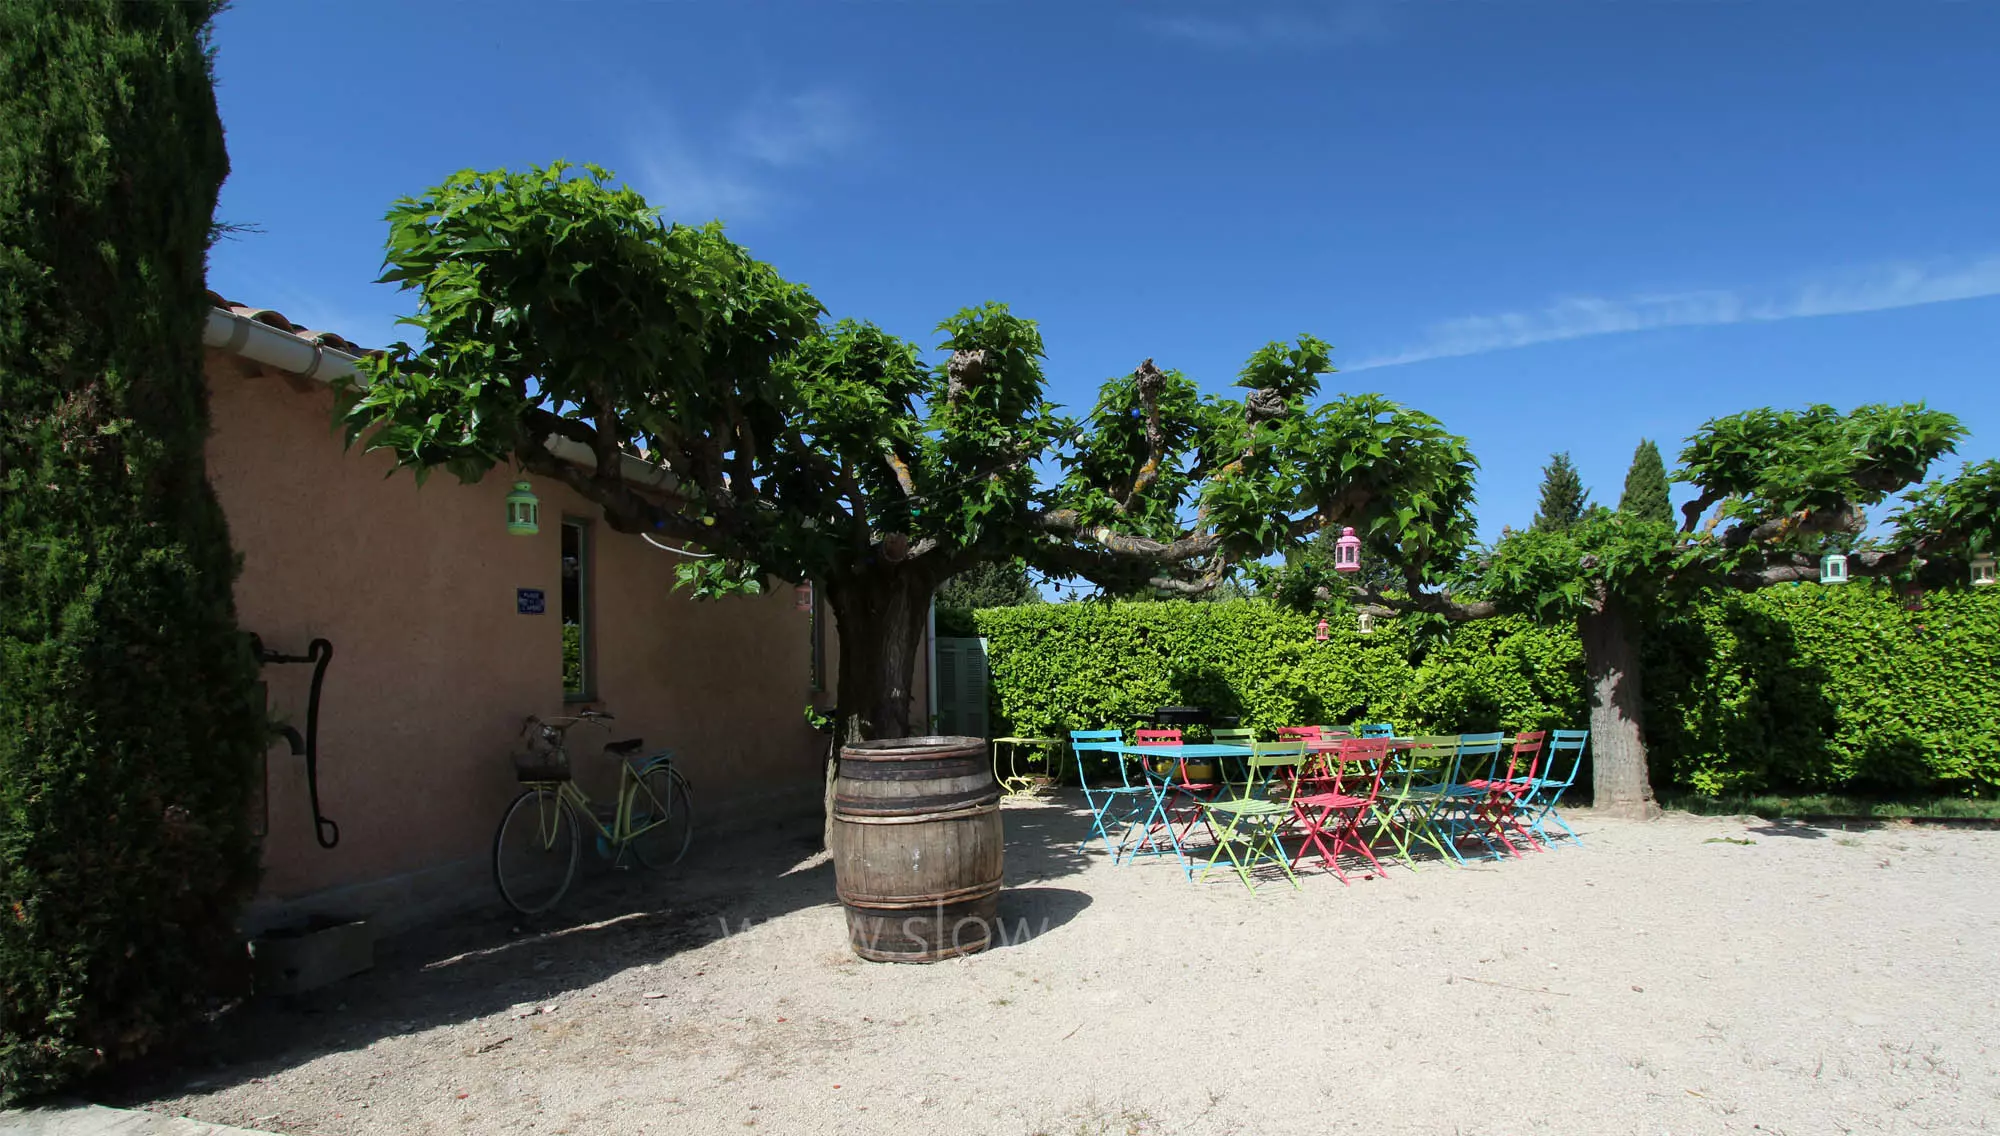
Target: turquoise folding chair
1122,804
1377,729
1559,770
1460,800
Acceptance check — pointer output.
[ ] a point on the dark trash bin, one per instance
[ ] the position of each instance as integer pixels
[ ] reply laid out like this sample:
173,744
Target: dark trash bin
1180,716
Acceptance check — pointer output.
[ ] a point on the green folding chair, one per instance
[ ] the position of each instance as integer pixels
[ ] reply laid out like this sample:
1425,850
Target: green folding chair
1407,809
1249,824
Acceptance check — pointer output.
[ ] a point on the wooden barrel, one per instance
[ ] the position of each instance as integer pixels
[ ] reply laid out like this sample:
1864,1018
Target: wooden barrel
917,848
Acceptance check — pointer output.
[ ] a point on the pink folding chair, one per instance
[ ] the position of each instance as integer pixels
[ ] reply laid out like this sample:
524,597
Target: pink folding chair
1335,800
1501,810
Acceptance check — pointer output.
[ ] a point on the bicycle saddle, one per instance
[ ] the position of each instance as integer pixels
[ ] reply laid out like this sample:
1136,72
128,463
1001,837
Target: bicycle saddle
625,748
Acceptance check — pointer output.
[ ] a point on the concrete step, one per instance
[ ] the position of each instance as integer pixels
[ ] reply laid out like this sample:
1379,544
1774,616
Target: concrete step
96,1120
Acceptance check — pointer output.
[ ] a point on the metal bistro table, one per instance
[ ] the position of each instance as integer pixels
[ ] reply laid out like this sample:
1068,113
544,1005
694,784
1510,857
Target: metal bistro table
1014,782
1162,785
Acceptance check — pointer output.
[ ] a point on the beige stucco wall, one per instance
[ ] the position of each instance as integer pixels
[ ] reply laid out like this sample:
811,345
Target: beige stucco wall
433,670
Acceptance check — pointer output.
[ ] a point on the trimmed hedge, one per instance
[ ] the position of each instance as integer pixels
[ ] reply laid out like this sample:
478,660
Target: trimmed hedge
1789,689
1087,664
1816,689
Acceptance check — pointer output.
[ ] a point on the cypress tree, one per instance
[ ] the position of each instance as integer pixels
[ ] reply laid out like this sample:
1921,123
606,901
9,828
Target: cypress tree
1646,495
127,728
1563,496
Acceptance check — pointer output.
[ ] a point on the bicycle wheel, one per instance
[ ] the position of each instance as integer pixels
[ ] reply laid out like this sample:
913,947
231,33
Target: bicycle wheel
662,816
535,851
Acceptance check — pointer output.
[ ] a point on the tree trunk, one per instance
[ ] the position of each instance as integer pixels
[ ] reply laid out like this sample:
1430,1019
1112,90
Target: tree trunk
1619,780
881,621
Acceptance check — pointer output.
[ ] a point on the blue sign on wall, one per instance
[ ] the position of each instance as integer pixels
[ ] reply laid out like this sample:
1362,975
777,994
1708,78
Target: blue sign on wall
528,601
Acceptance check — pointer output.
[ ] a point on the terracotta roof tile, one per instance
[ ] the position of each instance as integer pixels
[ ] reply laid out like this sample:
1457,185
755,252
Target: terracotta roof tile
277,319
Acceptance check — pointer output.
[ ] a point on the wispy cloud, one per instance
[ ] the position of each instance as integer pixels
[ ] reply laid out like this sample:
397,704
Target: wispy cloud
1875,289
797,129
1358,21
737,173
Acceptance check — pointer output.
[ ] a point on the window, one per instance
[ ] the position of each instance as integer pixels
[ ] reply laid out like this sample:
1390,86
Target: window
579,679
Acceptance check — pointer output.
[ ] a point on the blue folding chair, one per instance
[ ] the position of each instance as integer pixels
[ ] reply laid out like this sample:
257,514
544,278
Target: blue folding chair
1560,769
1123,804
1378,729
1479,759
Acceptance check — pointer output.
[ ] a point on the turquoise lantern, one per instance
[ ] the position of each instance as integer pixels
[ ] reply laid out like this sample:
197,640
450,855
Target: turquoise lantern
524,511
1833,568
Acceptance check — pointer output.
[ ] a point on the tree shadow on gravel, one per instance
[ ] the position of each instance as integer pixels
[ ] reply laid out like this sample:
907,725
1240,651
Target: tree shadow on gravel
490,961
1784,826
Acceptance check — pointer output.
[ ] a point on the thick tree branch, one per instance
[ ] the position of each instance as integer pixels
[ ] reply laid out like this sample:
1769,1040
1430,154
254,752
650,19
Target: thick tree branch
1106,568
626,509
967,369
1067,523
1846,519
1150,381
541,423
1374,602
901,470
1800,568
606,443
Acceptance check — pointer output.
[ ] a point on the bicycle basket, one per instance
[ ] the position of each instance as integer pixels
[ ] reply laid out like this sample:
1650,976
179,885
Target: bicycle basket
541,762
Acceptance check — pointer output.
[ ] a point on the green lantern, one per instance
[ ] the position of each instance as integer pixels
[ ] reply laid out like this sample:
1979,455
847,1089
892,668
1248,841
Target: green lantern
1833,568
524,511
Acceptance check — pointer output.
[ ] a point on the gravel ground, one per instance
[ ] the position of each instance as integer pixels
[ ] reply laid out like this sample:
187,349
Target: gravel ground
1689,975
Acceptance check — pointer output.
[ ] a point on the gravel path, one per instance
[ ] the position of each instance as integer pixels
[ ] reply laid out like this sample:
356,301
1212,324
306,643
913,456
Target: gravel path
1663,978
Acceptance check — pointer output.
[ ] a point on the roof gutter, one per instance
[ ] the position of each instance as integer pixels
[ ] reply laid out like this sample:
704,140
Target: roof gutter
303,358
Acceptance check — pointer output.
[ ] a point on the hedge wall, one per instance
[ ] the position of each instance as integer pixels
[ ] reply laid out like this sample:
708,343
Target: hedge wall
1807,688
128,731
1804,688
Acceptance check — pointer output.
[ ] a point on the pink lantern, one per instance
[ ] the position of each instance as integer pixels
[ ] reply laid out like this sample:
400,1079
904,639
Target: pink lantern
1347,552
1320,632
804,592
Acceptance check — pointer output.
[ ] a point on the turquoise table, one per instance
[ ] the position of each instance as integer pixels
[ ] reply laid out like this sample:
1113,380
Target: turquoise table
1162,785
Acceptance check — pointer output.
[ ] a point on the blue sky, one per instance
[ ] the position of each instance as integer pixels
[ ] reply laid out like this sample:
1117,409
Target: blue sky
1556,227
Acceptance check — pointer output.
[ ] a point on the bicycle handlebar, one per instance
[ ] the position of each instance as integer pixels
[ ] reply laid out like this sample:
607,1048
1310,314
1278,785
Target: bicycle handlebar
566,721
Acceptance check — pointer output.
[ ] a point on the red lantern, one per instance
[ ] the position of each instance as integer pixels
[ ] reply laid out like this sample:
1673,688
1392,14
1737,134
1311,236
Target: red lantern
1347,552
1320,632
804,592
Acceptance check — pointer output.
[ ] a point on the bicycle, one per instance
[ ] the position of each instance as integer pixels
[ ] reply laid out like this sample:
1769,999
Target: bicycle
540,839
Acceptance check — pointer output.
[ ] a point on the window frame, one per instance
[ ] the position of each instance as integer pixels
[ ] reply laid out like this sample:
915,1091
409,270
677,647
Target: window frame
586,572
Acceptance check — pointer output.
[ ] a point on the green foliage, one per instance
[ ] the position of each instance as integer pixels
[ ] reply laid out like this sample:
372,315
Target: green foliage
1646,495
1292,371
1002,584
1771,464
1553,574
993,584
1058,667
1955,518
572,658
556,304
1307,581
1813,689
127,725
1792,484
1563,496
